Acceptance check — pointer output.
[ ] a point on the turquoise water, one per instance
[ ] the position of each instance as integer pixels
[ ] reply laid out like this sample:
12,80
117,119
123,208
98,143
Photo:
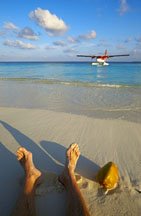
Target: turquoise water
116,74
112,91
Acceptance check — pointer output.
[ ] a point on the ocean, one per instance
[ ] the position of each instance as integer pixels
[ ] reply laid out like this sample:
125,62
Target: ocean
116,74
112,91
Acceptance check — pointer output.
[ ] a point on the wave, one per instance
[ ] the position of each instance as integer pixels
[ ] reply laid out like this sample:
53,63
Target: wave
114,109
70,83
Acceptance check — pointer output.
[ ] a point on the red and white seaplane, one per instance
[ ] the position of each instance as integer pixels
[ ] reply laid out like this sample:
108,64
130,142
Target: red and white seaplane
101,59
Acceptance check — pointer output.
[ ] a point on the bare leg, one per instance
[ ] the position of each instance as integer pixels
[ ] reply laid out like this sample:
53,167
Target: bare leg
76,203
26,205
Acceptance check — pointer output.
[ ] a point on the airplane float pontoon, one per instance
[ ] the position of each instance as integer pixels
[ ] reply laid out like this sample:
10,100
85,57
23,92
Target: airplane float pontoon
101,60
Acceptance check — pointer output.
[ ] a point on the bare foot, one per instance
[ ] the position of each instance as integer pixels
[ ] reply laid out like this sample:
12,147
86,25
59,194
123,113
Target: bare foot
72,156
25,158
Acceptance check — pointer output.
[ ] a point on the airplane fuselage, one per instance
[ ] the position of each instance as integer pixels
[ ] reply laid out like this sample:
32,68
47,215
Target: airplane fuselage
101,60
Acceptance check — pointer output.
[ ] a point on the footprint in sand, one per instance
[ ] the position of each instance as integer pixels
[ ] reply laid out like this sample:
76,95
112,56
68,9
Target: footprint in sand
50,183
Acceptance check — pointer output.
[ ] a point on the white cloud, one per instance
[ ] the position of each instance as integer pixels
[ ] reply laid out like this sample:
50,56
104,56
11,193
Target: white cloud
10,26
28,33
123,7
120,47
83,37
103,43
70,50
136,53
73,39
128,40
50,22
19,44
90,35
59,43
2,33
138,39
50,47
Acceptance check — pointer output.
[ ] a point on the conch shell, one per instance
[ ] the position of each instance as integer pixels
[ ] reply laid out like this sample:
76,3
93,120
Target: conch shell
108,176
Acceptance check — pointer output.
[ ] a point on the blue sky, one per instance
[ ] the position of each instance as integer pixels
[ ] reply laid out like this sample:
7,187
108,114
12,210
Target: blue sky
58,30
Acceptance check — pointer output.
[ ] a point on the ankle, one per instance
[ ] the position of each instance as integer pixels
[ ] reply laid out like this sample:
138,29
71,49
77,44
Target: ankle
70,175
29,186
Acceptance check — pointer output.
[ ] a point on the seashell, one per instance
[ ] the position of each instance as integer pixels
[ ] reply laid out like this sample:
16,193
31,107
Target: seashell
108,176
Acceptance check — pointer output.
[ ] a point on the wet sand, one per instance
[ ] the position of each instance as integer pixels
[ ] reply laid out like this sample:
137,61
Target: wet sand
96,102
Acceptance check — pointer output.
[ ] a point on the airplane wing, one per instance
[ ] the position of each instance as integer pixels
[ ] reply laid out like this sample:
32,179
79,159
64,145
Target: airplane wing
109,56
90,56
98,56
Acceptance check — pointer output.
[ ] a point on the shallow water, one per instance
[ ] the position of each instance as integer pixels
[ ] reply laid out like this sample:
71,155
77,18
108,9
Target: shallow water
99,102
112,91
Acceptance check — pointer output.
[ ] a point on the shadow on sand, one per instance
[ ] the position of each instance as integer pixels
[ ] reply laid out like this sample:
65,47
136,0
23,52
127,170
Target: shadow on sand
49,156
85,167
10,173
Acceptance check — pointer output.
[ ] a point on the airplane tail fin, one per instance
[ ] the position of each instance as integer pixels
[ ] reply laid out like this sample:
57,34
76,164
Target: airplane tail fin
106,52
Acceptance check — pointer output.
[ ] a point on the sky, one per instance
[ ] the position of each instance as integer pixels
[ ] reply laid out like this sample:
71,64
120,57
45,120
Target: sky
58,30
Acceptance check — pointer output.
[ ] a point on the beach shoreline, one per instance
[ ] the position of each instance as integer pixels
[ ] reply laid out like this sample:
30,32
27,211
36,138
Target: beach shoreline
96,102
47,134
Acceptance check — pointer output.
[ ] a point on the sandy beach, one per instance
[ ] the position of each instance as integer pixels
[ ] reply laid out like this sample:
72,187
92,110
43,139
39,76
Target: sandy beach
47,134
70,73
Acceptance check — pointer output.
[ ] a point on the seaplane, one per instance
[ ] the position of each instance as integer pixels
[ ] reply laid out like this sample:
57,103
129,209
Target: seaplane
101,59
